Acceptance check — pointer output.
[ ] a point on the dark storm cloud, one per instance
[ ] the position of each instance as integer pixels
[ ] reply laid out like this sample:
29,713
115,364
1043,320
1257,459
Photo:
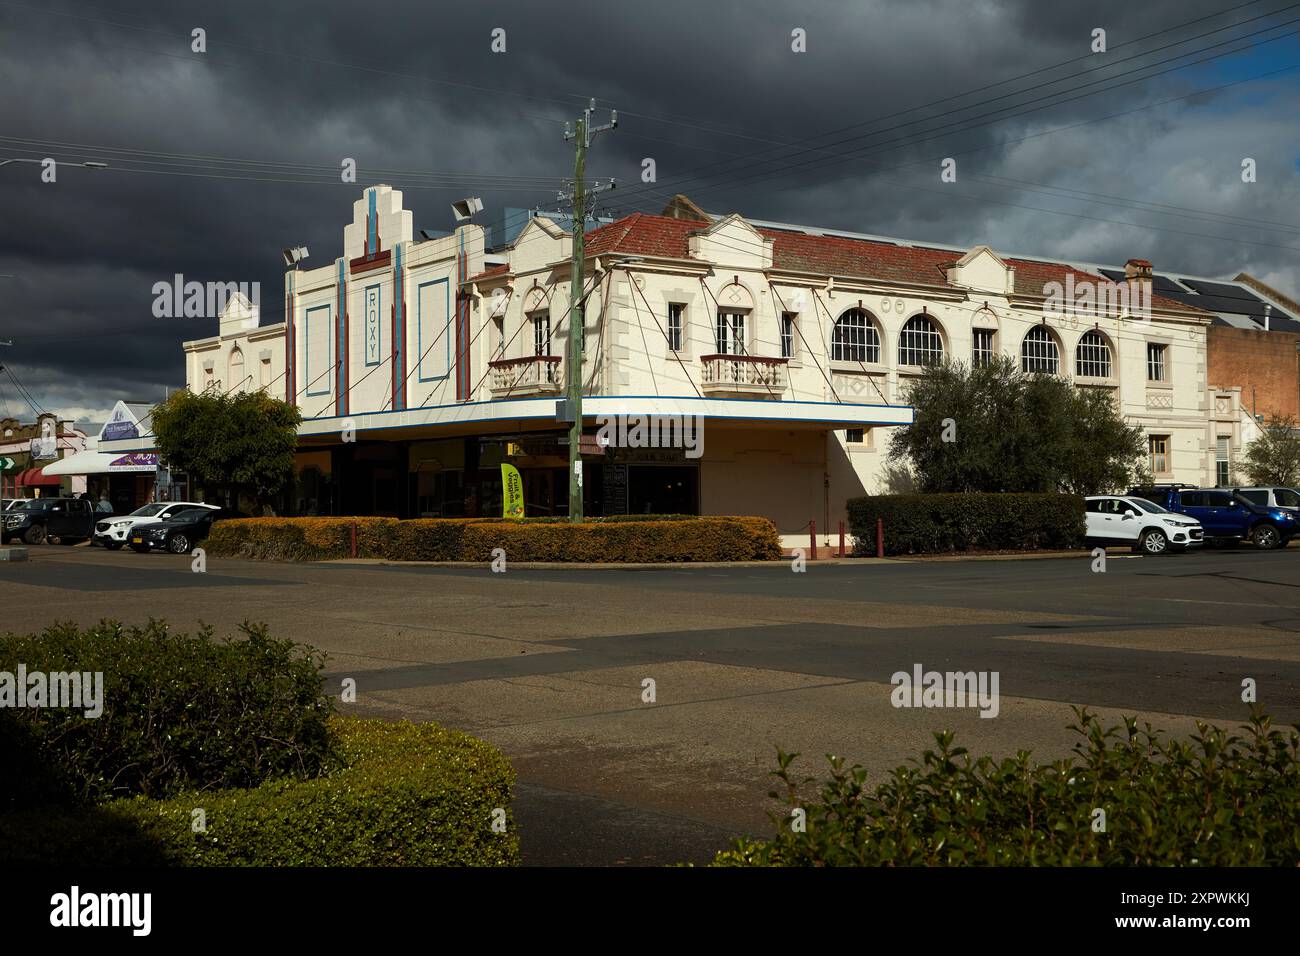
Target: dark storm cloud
709,90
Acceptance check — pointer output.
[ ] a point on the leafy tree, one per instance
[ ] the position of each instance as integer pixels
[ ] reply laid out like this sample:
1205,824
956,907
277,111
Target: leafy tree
993,428
1103,452
243,443
1274,457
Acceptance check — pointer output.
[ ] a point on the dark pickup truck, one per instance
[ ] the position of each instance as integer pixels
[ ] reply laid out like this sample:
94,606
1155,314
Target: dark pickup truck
1226,516
36,519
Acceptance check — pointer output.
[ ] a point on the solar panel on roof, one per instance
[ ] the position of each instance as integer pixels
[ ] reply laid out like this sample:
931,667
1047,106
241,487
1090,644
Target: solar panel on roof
1221,289
1166,286
1159,284
1254,308
1218,303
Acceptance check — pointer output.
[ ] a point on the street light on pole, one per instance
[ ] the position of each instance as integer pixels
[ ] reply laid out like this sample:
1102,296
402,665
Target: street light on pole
88,164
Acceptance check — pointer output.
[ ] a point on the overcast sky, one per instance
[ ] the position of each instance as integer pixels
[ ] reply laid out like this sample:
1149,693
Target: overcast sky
847,135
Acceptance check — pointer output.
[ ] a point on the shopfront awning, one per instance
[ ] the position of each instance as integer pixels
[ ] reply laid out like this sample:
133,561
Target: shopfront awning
33,476
100,463
515,414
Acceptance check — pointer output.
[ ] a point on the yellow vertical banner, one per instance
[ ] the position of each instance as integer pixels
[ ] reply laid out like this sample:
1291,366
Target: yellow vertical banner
512,492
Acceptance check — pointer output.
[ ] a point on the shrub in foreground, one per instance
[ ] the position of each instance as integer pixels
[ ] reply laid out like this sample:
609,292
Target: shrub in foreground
403,795
180,712
1216,800
937,523
656,539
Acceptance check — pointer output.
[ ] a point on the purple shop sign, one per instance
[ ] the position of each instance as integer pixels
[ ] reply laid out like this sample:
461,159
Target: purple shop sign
117,430
136,461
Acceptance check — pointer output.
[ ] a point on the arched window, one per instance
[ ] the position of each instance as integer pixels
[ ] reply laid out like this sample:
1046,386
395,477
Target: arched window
1038,352
920,342
855,338
235,368
1092,356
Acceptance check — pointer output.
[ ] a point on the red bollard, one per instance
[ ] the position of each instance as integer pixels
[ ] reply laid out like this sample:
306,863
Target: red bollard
354,539
841,539
880,537
812,536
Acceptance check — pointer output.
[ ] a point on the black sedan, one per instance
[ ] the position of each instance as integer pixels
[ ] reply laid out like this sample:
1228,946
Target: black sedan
179,533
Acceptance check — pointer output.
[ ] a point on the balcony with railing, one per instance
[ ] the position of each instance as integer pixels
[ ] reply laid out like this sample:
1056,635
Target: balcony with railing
530,375
744,375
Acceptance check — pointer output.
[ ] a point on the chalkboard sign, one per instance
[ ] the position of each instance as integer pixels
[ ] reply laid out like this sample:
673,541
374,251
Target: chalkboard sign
615,489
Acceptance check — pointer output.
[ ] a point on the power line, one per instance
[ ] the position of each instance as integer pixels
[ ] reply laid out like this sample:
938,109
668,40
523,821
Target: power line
201,161
981,89
219,42
956,96
1127,201
837,158
22,390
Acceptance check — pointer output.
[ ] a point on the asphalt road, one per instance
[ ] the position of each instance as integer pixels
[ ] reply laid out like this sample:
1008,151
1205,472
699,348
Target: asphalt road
551,665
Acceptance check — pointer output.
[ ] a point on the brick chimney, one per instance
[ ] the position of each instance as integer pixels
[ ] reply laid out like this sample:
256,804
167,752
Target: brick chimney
1137,275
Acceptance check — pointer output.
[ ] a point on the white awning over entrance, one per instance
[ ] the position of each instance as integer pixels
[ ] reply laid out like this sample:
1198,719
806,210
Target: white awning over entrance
100,463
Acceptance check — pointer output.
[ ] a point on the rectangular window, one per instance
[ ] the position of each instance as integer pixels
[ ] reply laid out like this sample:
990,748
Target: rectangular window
542,333
1222,462
854,436
1159,445
787,335
265,372
1157,370
500,324
982,347
675,312
731,333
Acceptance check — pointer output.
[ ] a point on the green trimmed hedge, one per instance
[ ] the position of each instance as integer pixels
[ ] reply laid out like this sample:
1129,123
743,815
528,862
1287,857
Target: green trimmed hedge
938,523
180,712
1216,800
404,795
668,538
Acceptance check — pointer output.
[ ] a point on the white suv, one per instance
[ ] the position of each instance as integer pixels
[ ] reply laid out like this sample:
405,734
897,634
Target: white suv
1141,524
112,533
1271,497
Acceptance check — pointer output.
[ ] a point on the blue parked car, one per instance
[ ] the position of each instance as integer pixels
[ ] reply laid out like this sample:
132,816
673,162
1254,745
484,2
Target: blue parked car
1225,515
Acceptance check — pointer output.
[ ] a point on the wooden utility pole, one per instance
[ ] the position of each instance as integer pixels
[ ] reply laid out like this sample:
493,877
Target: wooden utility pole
582,136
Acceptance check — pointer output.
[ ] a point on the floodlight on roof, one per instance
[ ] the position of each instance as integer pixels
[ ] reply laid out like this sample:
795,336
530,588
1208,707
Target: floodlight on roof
464,209
294,255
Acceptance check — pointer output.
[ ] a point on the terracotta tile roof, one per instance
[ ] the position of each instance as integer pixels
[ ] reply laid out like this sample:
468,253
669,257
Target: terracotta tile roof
837,255
490,271
1032,276
644,235
647,235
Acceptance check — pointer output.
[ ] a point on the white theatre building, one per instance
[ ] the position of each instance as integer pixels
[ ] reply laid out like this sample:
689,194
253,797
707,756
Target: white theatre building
793,345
